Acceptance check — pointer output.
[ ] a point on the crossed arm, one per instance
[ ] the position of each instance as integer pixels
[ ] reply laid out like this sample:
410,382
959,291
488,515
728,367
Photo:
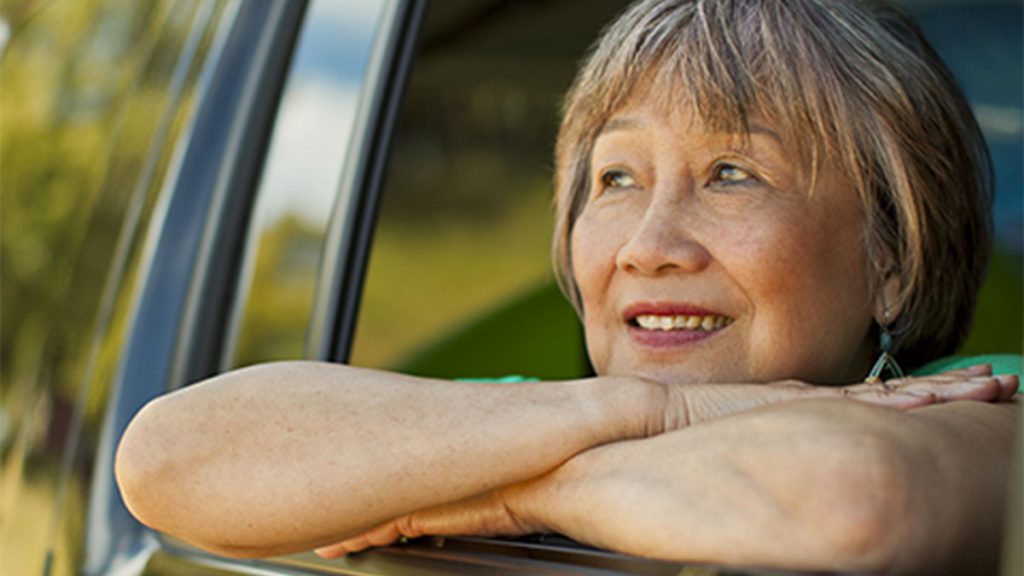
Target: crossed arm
287,457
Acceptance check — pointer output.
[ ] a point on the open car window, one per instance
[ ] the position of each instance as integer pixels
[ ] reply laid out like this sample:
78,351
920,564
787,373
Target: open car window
291,212
459,282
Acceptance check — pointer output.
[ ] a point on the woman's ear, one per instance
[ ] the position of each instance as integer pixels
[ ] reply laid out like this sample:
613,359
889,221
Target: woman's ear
886,309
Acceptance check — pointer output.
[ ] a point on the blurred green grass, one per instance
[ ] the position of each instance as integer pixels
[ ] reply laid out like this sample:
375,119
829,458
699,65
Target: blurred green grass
999,316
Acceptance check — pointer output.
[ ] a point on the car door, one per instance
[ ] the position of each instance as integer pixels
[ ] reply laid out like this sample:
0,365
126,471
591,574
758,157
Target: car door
95,96
266,188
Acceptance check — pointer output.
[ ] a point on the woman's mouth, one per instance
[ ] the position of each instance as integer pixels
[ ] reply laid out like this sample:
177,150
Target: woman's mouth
666,323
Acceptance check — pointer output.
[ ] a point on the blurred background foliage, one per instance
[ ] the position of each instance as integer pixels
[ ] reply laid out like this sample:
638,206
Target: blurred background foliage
277,315
91,93
460,281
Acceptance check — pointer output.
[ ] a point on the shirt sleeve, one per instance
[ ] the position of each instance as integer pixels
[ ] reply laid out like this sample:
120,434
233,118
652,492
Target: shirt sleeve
502,380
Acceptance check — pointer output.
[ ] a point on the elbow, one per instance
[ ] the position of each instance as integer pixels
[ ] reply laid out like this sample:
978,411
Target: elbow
156,468
145,466
176,468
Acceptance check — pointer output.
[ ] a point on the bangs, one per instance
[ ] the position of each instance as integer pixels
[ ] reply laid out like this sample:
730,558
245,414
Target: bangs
731,62
809,69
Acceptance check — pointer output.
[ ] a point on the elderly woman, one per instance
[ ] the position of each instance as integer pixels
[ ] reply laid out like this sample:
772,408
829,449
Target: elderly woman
755,201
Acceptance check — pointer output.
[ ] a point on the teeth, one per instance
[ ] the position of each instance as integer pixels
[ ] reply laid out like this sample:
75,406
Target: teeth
682,322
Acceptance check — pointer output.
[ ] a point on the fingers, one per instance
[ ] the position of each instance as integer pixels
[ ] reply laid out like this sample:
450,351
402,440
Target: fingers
380,536
334,550
1009,384
486,514
893,398
973,383
981,388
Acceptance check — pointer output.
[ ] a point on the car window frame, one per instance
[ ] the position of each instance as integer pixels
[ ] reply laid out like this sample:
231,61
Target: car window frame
350,232
178,315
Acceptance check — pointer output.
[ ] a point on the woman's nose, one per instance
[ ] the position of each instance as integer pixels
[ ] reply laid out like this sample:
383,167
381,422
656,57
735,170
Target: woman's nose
661,242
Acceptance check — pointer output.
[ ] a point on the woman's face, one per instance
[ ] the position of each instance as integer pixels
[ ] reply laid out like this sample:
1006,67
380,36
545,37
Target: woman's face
701,257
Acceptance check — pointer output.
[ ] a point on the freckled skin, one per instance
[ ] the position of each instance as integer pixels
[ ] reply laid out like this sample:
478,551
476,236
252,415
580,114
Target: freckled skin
683,216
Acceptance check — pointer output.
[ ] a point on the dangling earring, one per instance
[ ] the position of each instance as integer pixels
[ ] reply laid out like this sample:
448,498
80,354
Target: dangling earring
885,359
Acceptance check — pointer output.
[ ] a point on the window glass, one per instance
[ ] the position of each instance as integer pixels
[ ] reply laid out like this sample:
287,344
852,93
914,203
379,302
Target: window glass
311,137
459,281
94,94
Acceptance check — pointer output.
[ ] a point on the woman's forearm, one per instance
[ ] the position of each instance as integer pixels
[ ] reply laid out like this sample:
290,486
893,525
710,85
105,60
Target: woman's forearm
804,485
783,486
590,497
284,457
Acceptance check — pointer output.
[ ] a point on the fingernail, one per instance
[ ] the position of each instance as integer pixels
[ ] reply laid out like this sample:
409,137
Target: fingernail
1007,378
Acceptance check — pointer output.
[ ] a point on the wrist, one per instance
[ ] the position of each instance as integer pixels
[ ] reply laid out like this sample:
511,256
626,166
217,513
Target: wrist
622,407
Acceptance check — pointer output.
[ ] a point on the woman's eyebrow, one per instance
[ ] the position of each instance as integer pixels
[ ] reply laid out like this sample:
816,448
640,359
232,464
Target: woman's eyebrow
616,124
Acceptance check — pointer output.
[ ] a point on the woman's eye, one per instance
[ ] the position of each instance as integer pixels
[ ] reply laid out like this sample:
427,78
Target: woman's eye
729,174
617,179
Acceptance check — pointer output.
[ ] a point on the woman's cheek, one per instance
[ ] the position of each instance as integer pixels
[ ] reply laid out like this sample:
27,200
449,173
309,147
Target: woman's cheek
810,308
593,252
593,257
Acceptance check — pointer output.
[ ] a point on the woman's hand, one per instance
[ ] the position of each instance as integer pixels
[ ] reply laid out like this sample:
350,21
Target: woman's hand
492,513
690,404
